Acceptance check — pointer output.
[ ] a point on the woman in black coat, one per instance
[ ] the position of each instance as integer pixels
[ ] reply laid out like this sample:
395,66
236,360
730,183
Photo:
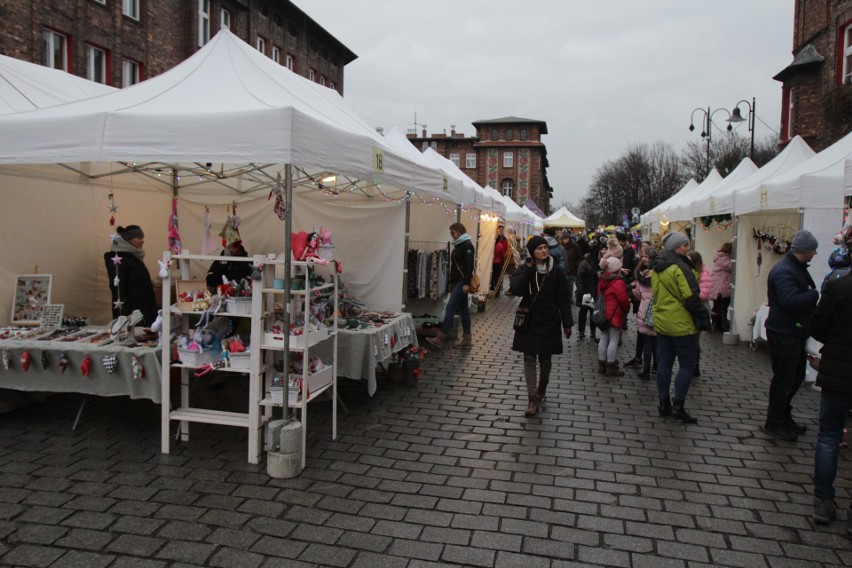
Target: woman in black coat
544,290
587,283
129,280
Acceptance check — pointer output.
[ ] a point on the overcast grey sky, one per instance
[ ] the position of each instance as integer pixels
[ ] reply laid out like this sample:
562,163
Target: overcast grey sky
602,73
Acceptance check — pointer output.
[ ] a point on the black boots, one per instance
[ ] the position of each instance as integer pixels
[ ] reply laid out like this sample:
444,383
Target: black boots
612,370
601,367
679,413
665,406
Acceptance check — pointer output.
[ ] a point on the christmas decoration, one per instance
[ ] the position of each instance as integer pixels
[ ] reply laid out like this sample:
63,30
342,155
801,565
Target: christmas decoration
86,366
173,235
63,362
110,362
136,368
6,360
208,244
230,233
164,268
25,361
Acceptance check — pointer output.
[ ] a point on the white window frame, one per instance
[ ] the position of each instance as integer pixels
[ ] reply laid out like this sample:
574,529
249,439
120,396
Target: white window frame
790,130
508,187
289,63
203,22
455,158
130,72
846,77
276,54
130,8
323,81
50,39
470,160
260,44
312,75
96,64
332,85
103,2
224,19
508,159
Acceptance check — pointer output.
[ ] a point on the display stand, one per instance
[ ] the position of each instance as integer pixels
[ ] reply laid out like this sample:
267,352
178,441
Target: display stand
312,385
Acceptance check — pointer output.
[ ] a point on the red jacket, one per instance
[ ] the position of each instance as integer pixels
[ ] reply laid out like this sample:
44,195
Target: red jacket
501,245
615,296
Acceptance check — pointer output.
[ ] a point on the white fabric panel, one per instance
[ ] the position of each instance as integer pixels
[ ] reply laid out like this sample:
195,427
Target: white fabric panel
485,253
679,208
824,224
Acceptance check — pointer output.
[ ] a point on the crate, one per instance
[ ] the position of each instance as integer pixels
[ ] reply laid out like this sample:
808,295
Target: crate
315,381
296,341
191,287
277,395
238,305
195,359
326,252
240,361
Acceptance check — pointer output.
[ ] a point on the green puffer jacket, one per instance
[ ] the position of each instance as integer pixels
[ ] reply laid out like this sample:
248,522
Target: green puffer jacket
676,296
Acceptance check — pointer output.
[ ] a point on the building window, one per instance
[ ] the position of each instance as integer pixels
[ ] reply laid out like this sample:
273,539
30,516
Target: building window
508,159
261,45
846,54
203,22
470,160
523,133
101,2
312,75
323,81
787,130
508,187
454,158
96,64
332,85
434,145
224,19
276,54
55,50
494,134
130,8
510,134
130,72
424,146
288,62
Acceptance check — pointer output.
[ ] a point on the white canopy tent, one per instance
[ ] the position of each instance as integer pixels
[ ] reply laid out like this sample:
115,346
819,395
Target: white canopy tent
680,210
652,218
564,218
224,126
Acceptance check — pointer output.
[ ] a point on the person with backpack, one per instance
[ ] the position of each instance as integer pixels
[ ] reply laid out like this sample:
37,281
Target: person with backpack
613,292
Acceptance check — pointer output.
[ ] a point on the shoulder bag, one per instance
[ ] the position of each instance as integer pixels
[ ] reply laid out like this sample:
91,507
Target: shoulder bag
473,287
522,314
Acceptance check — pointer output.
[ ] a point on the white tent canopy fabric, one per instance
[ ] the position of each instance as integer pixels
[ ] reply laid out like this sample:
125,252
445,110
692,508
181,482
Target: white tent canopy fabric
482,198
653,217
564,218
680,209
695,209
27,86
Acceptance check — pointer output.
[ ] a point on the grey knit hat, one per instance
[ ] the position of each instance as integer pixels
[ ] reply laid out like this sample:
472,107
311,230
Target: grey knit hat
804,241
674,240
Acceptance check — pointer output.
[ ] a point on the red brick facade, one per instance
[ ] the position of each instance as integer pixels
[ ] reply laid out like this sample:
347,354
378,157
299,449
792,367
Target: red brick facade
817,103
497,141
167,32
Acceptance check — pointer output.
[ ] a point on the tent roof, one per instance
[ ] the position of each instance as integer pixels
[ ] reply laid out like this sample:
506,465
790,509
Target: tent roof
683,210
653,214
564,218
483,198
675,208
27,86
226,104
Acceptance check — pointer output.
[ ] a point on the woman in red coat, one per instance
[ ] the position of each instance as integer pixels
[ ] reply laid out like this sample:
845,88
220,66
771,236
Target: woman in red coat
501,248
617,302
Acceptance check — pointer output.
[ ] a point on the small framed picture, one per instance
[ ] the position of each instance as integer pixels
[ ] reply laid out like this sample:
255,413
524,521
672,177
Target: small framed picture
32,293
51,316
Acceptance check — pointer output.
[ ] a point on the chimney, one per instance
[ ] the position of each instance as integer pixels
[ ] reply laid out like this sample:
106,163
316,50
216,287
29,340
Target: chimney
452,130
424,133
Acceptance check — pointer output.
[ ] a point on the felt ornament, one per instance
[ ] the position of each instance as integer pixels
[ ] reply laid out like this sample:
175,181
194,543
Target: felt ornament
63,362
86,366
164,269
45,360
230,233
136,368
110,362
298,244
175,245
280,207
6,360
256,271
26,360
208,243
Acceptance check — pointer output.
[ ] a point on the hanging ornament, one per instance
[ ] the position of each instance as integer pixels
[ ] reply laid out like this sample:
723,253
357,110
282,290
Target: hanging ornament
110,362
112,207
112,221
86,366
136,368
208,243
6,360
45,360
63,362
256,271
230,233
25,361
164,268
280,206
174,236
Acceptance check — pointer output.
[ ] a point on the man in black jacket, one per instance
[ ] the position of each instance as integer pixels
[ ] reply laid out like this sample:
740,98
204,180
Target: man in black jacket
792,299
831,326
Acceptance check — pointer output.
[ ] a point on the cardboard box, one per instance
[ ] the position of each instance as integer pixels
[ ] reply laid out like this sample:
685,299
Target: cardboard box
189,287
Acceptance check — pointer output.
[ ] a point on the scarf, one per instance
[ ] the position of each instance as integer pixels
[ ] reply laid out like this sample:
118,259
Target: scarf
120,245
461,239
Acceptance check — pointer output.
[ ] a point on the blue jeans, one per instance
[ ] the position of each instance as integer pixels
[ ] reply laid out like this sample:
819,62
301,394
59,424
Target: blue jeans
833,407
457,301
788,373
685,349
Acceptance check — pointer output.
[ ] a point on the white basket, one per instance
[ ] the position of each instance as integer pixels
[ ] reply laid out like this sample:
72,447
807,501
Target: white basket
326,252
238,305
316,381
277,395
193,358
240,361
296,341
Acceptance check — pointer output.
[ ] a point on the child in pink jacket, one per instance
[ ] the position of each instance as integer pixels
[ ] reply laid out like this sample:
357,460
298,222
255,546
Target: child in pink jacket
705,285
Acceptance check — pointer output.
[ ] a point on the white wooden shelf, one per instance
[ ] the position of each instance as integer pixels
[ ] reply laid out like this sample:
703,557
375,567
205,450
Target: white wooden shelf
204,416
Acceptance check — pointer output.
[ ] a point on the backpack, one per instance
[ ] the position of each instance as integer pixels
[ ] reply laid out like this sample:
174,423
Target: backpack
599,313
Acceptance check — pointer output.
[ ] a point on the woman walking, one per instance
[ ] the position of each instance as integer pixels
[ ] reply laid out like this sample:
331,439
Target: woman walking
587,283
614,290
545,300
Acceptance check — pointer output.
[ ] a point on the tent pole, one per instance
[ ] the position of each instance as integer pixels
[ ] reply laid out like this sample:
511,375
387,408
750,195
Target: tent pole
407,244
288,228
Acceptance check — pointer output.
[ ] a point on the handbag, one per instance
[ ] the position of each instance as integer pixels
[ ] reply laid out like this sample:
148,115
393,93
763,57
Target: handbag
473,287
599,313
648,320
522,314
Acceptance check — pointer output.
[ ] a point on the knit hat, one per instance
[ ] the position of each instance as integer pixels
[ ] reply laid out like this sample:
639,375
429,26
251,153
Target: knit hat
131,232
674,240
566,234
535,242
611,264
804,241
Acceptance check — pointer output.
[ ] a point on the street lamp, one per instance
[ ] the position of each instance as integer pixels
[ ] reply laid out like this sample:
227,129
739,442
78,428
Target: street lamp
707,123
737,117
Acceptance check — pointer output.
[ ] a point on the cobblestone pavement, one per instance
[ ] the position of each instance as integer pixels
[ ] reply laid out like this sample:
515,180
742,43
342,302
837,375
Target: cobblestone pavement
447,472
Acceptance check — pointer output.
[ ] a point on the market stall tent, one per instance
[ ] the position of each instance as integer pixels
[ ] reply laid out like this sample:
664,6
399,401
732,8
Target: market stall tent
653,217
224,126
564,219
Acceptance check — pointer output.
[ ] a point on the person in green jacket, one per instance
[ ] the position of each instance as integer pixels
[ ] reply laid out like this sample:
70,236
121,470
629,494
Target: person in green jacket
677,304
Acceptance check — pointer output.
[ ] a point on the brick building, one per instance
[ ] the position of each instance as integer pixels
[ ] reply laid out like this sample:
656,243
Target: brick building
505,153
817,85
121,42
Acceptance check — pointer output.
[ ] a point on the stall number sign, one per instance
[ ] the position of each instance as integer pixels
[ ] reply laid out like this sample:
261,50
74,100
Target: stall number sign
378,161
446,184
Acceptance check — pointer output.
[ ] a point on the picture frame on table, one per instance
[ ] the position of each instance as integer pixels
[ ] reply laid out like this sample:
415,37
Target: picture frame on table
32,294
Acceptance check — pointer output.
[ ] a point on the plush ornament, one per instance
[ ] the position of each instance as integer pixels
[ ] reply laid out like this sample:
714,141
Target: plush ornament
257,271
175,245
325,236
208,243
110,362
298,244
280,207
230,233
86,366
236,345
158,323
63,362
136,368
25,361
6,360
164,268
45,360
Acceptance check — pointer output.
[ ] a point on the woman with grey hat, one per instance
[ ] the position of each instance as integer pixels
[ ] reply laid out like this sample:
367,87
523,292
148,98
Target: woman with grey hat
129,280
545,309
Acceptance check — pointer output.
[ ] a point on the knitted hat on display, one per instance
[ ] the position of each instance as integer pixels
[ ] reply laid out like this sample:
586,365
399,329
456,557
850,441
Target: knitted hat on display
535,242
674,240
804,241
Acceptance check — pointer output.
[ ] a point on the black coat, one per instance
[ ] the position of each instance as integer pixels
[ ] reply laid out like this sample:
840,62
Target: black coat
462,258
233,270
792,297
830,325
134,283
587,278
550,313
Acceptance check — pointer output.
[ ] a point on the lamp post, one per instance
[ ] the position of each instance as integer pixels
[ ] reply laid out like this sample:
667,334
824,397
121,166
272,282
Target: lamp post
707,123
737,117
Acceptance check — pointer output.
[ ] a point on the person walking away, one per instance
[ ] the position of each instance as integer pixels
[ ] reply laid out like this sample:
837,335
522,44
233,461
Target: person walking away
461,271
573,256
543,289
501,250
792,298
834,377
720,293
677,304
617,302
587,283
129,280
705,284
642,290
